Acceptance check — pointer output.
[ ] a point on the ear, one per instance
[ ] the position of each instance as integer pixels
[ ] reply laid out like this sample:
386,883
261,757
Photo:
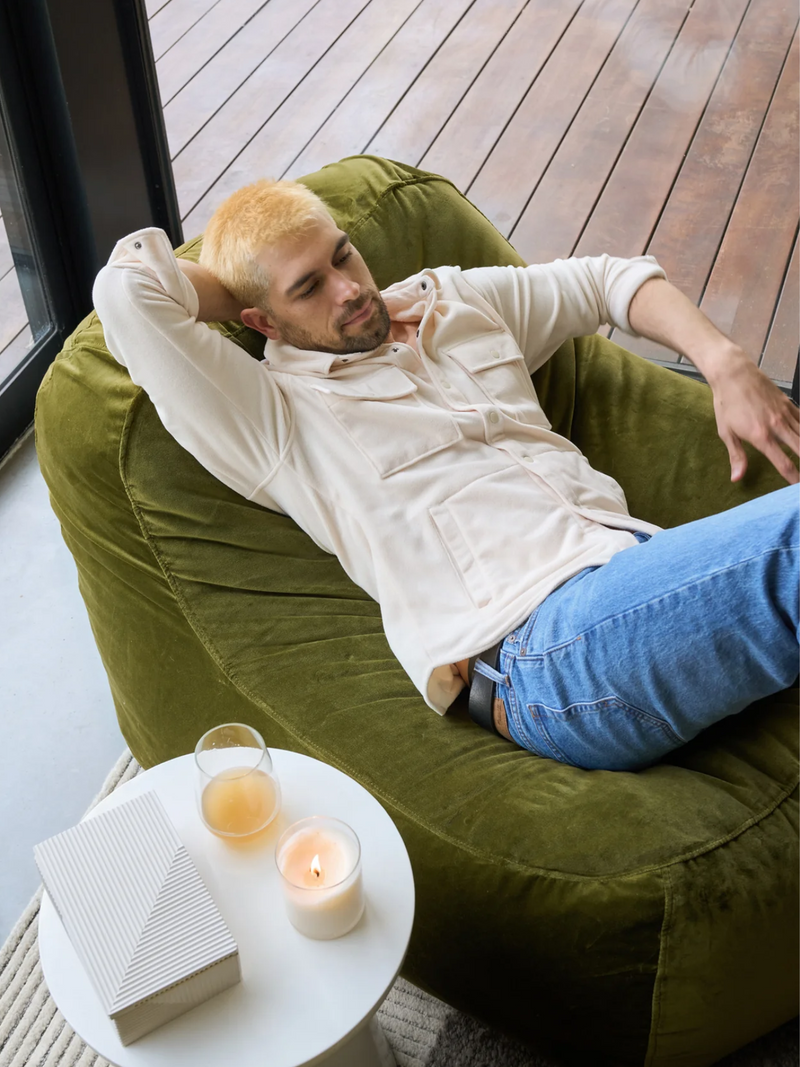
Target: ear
257,320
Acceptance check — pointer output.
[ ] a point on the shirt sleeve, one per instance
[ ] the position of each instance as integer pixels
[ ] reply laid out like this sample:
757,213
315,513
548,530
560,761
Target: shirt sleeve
546,304
218,402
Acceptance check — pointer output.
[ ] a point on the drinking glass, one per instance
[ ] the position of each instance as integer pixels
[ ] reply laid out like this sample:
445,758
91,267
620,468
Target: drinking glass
238,793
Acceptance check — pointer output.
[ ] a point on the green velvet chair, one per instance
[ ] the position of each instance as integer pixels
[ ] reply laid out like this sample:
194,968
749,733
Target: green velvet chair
606,918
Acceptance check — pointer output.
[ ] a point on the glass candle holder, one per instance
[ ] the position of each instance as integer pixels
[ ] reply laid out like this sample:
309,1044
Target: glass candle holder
320,864
238,793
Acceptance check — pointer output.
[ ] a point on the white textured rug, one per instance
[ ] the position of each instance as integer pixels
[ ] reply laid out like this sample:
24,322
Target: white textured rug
422,1031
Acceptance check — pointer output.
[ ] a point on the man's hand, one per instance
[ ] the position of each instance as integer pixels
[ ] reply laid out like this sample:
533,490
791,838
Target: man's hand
749,407
216,303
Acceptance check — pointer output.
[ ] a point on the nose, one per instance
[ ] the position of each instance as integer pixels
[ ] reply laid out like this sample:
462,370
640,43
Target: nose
346,289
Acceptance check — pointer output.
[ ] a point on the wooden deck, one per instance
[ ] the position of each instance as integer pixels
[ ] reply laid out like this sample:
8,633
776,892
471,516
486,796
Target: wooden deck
577,126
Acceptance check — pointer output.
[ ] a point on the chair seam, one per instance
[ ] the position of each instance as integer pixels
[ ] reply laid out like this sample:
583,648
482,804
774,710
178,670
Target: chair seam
653,1049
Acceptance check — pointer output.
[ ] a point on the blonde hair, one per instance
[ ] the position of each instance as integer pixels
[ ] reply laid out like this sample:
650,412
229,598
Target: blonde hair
257,215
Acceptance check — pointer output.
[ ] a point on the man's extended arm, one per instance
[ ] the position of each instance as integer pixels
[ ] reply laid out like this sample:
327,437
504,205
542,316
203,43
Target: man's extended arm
748,406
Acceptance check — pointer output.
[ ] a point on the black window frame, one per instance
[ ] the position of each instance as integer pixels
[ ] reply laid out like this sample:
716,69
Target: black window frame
82,135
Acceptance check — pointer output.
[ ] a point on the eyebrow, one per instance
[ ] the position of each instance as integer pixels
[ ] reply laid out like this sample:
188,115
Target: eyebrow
343,240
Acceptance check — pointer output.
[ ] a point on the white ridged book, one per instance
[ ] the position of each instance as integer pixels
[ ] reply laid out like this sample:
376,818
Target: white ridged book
139,915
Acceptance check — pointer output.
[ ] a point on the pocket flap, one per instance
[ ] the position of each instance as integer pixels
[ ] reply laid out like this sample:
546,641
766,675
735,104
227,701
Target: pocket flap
492,350
381,383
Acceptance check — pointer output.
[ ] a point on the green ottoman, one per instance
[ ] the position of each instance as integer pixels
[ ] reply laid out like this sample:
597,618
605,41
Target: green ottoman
609,918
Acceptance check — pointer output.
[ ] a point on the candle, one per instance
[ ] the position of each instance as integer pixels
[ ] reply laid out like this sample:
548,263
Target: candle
320,861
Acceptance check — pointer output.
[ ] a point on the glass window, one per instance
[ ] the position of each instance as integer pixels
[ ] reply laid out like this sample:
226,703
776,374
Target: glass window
25,318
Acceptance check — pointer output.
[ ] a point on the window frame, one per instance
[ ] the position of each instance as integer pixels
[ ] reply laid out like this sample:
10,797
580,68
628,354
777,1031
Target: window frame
81,176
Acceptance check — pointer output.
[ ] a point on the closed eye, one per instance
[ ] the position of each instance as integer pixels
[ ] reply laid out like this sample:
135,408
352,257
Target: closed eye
315,284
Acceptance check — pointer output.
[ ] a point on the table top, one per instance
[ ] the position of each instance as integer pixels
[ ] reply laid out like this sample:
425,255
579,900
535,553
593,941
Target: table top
298,998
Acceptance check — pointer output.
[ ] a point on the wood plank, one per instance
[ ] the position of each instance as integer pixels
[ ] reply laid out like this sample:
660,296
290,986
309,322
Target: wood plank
198,166
470,133
152,6
14,353
633,198
358,117
690,230
213,85
172,21
292,126
783,344
202,42
13,315
552,222
411,128
747,277
523,153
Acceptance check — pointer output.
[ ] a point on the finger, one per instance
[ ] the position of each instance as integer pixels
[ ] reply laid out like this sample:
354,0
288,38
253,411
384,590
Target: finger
781,462
788,435
737,457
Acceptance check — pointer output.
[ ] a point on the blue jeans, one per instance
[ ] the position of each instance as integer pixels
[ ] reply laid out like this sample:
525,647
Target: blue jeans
627,661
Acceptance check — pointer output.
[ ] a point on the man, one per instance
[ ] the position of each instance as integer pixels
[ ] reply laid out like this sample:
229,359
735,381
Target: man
401,431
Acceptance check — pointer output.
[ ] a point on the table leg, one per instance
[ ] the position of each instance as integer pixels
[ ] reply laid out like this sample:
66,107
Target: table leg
367,1048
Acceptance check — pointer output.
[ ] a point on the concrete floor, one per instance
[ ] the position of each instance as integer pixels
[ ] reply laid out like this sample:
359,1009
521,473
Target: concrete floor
59,729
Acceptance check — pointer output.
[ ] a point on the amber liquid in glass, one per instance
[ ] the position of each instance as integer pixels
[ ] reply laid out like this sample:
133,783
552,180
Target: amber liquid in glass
238,801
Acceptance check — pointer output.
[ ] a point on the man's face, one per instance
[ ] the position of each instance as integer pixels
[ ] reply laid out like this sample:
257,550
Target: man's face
321,295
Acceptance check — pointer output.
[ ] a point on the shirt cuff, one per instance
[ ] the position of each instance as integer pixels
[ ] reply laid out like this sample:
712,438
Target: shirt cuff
150,249
638,271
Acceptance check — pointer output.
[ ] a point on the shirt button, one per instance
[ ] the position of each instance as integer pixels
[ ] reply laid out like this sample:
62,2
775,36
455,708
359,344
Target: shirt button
137,244
447,385
424,285
395,349
493,416
526,457
494,354
344,361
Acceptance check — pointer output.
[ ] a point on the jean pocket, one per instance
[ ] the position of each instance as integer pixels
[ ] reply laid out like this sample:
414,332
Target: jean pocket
606,734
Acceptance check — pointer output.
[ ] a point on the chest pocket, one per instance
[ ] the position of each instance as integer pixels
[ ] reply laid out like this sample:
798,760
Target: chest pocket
496,365
385,420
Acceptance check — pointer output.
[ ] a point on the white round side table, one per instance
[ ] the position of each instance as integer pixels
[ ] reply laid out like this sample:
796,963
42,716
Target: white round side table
300,1002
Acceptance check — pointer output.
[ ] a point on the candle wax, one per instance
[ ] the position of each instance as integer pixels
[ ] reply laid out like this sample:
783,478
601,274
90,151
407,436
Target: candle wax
328,905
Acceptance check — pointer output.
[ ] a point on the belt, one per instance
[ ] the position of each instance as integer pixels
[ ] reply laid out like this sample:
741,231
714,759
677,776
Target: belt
482,690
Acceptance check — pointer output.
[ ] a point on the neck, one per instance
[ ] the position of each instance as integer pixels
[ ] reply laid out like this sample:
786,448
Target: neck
403,333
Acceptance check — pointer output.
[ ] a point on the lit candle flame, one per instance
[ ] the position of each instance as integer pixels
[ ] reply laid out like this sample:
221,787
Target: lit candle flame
316,867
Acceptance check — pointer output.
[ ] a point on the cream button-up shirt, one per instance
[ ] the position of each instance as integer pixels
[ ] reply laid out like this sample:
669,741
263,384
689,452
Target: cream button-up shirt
428,468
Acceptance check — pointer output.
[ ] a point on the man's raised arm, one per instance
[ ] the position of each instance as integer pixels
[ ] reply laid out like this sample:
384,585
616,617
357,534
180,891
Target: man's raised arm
215,303
218,402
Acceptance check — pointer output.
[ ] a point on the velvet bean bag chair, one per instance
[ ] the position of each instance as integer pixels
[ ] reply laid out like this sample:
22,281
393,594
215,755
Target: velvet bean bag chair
606,918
